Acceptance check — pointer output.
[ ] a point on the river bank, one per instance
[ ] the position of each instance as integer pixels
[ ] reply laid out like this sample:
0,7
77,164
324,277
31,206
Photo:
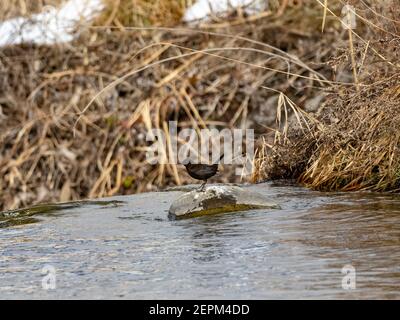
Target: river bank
263,72
352,142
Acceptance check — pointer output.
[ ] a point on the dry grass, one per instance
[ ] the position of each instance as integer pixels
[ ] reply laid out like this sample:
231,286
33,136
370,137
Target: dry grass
17,8
73,118
143,13
219,76
353,141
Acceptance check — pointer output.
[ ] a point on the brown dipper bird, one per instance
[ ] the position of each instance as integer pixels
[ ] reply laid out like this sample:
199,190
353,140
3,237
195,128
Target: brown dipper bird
202,171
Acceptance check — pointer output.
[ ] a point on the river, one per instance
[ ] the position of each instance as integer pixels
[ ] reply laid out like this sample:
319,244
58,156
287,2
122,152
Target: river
126,247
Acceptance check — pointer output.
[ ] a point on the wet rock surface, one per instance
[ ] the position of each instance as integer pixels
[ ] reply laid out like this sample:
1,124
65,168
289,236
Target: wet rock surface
218,199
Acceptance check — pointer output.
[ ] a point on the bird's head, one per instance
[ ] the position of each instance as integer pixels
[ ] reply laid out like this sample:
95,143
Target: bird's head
186,162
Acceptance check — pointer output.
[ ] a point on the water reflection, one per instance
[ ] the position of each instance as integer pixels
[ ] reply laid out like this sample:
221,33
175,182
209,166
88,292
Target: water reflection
209,234
362,230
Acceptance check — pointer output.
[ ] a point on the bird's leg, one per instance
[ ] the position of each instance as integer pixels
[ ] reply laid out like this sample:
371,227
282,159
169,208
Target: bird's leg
203,185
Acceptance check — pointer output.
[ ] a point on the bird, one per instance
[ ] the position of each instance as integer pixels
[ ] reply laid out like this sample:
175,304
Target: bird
202,171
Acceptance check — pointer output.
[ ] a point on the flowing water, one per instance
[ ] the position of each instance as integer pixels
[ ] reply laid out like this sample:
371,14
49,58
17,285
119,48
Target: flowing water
126,247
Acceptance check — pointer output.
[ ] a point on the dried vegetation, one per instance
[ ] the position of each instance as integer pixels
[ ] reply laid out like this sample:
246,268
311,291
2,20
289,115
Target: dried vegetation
74,117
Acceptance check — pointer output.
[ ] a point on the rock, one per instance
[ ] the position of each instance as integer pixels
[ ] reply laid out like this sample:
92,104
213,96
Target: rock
191,187
217,199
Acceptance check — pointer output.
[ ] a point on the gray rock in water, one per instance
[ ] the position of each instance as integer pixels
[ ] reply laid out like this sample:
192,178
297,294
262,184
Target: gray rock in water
217,199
